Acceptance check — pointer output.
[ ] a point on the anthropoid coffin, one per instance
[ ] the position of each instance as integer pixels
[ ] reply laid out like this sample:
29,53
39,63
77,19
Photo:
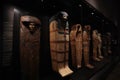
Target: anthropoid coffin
59,48
29,47
76,45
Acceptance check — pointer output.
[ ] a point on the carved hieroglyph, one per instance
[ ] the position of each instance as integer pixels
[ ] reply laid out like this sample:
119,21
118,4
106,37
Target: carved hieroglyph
59,48
29,47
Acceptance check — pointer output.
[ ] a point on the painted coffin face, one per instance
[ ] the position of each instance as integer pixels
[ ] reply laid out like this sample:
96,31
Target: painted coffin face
64,15
33,27
31,23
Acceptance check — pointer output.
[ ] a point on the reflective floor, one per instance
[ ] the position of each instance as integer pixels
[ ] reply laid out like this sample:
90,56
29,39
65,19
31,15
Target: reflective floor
115,74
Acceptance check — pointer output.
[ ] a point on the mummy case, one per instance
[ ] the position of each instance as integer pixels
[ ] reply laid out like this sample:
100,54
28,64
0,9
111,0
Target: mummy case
73,44
104,45
76,45
109,43
29,47
86,46
78,42
95,45
99,46
59,47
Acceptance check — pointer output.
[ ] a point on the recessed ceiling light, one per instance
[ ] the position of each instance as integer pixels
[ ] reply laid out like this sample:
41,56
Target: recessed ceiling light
80,5
92,13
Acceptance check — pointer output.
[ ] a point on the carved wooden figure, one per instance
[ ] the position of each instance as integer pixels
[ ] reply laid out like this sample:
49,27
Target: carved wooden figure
86,46
59,44
29,47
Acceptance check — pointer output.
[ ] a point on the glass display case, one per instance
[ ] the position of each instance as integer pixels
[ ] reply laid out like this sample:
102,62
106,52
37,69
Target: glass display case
57,40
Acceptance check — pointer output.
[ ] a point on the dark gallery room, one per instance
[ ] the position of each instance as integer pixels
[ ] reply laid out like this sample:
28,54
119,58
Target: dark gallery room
60,40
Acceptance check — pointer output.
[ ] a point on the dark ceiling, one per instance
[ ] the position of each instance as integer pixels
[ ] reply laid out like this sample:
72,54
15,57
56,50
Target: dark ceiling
79,10
44,6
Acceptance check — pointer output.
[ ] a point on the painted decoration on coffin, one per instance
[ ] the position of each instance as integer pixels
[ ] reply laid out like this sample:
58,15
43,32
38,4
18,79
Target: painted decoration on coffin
76,45
59,43
86,46
31,23
29,47
95,45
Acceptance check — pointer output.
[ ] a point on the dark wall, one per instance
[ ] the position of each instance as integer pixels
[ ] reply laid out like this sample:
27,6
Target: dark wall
110,9
10,56
7,36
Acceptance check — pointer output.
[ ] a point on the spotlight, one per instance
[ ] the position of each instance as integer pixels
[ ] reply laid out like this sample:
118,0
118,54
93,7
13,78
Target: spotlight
16,10
92,13
80,5
42,0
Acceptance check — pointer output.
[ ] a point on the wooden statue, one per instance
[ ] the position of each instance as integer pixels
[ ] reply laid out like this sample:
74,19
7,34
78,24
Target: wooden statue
59,43
95,45
86,45
29,47
99,46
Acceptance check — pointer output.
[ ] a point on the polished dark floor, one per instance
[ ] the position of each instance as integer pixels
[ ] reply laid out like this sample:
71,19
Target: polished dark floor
115,74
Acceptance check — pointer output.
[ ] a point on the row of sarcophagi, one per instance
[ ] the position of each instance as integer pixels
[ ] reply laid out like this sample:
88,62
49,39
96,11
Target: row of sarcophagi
60,38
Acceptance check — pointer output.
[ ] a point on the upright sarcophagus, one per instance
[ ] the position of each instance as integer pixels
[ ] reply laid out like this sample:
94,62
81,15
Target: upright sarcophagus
76,45
109,43
59,45
100,46
86,46
29,47
73,44
95,45
78,42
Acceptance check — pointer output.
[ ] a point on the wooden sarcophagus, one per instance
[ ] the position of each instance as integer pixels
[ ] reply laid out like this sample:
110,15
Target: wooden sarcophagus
73,44
95,45
76,45
104,45
29,47
100,46
86,45
59,48
109,51
78,42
